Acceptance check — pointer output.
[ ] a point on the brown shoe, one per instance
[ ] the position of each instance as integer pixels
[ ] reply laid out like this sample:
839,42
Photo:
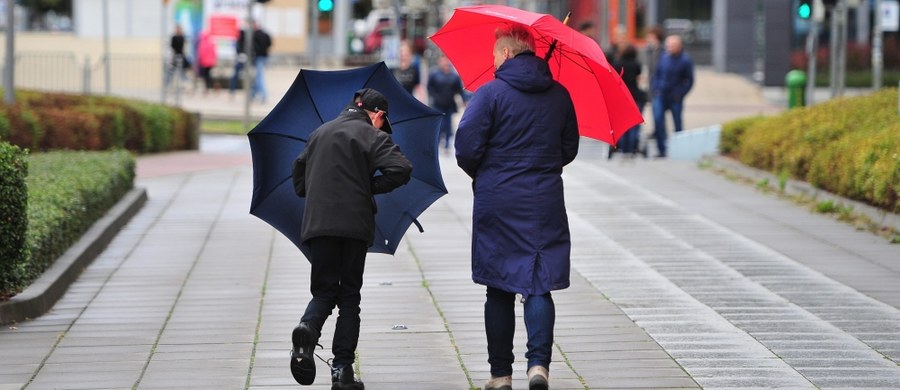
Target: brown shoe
538,377
499,383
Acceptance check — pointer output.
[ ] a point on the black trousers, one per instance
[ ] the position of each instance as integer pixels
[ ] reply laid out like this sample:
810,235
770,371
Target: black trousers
336,279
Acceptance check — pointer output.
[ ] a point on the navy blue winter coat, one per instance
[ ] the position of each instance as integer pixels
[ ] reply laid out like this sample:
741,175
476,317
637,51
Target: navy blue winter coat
517,133
674,76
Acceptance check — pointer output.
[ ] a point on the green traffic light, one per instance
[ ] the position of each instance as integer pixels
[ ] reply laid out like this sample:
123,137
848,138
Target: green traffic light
805,11
326,5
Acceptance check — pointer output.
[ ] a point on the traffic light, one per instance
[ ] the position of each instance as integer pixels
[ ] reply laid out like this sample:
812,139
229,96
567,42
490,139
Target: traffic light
804,9
326,5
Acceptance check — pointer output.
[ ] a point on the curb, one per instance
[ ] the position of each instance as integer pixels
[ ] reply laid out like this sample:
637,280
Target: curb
800,188
41,295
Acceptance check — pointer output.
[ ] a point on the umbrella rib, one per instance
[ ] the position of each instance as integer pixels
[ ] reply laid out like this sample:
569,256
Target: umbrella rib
414,118
309,94
481,74
288,136
270,192
573,53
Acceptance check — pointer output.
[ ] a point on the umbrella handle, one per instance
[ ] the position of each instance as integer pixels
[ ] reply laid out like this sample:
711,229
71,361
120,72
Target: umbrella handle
553,44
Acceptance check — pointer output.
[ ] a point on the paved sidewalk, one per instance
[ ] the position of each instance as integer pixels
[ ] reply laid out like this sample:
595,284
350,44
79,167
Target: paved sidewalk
681,279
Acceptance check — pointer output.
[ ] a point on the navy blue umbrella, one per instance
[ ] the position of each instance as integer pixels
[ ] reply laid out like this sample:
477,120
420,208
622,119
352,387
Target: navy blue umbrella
316,97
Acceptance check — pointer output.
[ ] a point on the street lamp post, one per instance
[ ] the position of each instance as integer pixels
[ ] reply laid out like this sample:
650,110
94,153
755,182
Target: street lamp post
106,62
877,56
248,48
163,33
9,95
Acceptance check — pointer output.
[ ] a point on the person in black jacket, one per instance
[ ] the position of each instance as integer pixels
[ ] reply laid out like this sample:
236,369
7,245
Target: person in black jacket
628,66
260,58
180,63
336,175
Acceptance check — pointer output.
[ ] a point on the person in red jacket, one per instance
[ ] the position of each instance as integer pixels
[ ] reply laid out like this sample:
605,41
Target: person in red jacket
206,59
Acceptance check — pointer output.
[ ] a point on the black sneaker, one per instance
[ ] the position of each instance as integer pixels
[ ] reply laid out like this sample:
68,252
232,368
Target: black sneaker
303,367
342,379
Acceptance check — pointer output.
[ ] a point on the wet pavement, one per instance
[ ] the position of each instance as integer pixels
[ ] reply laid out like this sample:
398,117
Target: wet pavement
681,278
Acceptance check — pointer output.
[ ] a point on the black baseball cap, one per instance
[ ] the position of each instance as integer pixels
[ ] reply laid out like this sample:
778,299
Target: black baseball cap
372,100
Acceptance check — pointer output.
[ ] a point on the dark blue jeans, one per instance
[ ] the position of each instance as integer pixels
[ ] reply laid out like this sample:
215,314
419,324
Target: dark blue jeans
446,127
630,141
337,277
500,326
238,69
661,104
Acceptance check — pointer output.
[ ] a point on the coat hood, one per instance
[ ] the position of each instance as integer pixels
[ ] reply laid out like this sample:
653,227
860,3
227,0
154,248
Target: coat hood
526,73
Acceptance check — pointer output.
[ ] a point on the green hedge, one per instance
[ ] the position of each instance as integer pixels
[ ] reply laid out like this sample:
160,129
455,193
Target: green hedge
850,147
52,121
67,193
13,213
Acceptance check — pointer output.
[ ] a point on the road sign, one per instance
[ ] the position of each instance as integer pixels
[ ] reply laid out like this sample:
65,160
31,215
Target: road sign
890,15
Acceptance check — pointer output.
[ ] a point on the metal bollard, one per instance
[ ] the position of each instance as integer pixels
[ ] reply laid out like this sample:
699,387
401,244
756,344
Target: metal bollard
86,76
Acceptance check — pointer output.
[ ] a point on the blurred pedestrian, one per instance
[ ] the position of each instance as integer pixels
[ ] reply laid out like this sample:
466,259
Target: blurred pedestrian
179,63
336,175
651,52
628,66
444,85
260,56
587,28
617,44
672,81
206,59
240,62
407,72
517,133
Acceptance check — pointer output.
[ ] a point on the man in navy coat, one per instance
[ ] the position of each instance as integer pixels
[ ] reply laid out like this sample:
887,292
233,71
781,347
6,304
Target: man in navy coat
517,133
671,82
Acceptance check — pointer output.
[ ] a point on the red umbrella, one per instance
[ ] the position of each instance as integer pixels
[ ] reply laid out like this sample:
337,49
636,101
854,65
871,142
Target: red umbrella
603,105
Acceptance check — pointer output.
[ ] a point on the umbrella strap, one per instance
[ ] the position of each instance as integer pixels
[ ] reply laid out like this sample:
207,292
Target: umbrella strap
418,225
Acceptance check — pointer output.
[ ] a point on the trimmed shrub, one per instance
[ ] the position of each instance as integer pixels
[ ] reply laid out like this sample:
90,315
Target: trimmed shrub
13,215
850,147
53,121
729,142
158,125
67,193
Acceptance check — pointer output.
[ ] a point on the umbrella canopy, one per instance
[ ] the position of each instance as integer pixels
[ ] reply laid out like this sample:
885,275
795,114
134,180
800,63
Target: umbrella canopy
603,105
316,97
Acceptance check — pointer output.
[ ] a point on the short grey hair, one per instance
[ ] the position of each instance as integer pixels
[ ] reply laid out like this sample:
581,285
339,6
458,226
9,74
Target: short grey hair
515,37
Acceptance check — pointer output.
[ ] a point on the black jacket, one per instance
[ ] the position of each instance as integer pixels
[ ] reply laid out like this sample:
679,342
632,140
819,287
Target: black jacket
336,174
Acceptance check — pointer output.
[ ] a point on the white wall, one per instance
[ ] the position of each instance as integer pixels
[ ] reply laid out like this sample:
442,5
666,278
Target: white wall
127,18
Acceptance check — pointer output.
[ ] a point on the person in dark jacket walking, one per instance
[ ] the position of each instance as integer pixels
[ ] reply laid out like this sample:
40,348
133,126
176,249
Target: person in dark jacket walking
179,64
240,61
336,175
627,65
443,87
260,57
407,72
671,82
517,133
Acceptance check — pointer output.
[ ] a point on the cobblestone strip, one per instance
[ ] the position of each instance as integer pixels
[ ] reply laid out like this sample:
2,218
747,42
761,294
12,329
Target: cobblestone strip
62,320
597,345
803,317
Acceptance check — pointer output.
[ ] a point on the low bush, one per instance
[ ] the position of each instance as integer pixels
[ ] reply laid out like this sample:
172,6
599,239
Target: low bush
13,214
53,121
729,143
67,192
850,147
